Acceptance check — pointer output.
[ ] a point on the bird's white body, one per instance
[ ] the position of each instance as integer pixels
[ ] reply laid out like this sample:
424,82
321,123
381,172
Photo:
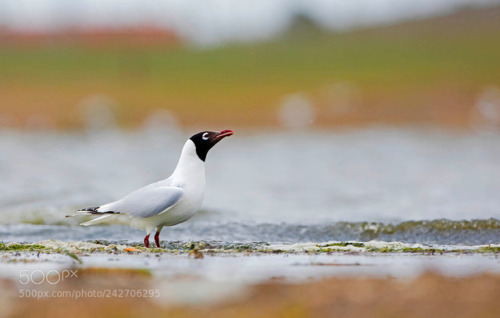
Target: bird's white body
189,175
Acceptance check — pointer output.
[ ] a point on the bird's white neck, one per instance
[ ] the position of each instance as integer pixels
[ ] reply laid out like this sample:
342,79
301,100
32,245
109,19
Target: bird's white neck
189,163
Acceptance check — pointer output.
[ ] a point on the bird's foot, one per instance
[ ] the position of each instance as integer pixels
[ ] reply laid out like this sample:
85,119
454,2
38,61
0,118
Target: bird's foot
146,241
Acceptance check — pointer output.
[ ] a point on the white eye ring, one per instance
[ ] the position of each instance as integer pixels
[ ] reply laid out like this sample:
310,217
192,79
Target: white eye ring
205,136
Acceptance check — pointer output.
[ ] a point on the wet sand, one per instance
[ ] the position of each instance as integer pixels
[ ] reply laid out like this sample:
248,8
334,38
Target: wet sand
428,295
334,279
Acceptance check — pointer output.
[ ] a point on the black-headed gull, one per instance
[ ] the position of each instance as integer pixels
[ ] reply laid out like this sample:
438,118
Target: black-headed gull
167,202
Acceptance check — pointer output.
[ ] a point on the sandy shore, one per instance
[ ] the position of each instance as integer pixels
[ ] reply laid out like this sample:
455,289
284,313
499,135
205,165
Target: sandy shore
334,279
428,295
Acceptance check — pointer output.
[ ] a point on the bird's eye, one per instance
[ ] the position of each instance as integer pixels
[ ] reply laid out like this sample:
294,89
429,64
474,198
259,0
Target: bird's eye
205,136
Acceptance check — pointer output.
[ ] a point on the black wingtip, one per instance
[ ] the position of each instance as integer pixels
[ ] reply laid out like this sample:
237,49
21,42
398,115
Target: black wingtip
92,209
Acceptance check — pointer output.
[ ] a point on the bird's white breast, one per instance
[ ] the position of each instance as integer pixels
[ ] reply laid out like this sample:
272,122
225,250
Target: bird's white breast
190,176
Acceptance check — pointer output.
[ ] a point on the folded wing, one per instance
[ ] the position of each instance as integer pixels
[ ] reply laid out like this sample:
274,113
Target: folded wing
146,202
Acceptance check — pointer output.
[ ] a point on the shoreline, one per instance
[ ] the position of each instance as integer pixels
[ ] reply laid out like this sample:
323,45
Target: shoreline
248,263
219,247
195,279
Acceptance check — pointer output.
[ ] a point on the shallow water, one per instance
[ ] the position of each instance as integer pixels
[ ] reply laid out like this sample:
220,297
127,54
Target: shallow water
427,232
273,187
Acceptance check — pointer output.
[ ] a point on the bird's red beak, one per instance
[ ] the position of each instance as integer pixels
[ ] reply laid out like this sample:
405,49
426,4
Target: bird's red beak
225,133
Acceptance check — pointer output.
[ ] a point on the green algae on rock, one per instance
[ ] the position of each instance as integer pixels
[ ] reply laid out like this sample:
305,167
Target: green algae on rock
215,247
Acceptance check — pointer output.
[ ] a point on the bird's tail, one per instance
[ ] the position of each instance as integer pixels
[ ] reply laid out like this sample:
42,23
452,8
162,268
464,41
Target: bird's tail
102,219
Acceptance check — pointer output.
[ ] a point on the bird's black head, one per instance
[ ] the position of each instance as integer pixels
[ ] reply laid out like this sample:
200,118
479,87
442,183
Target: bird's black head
205,140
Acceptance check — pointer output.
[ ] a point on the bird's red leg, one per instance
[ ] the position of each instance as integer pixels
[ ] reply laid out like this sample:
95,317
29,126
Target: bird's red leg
157,239
146,241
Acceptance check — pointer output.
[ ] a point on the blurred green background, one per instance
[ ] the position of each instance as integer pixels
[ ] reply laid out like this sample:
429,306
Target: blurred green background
428,71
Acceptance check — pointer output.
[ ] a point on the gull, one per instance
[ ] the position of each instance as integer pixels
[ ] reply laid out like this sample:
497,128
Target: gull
167,202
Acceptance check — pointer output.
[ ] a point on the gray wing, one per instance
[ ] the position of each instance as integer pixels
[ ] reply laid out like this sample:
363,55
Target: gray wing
146,202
